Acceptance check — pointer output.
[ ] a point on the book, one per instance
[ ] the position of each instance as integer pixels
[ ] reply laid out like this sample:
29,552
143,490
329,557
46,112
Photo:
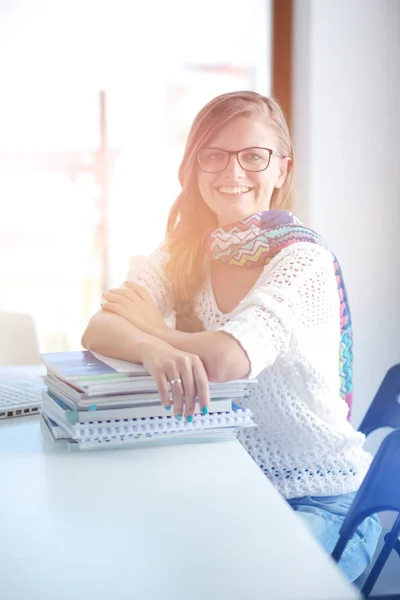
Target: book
153,430
81,401
86,371
93,402
60,406
85,402
96,375
57,433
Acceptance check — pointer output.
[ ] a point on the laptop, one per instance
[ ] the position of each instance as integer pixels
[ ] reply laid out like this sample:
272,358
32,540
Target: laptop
20,397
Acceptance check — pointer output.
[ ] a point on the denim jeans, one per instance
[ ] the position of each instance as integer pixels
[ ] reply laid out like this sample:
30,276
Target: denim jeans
324,516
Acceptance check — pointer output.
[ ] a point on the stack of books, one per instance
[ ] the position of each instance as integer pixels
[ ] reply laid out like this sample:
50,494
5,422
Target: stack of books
93,402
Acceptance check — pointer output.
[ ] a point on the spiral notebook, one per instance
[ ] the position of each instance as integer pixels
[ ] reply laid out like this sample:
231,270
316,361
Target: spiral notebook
154,430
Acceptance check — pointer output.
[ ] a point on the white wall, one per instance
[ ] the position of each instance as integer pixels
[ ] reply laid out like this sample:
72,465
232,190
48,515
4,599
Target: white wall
346,128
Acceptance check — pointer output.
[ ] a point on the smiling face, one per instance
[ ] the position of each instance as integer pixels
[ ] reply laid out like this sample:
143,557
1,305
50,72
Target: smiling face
234,193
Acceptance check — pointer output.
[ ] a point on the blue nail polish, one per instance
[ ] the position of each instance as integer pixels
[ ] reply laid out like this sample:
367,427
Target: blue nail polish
204,410
167,407
179,417
189,418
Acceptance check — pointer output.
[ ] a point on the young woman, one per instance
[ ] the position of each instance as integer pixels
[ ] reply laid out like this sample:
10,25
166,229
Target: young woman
254,294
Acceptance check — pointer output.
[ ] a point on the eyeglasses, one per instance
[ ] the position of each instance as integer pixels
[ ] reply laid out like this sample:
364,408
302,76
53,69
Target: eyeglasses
214,160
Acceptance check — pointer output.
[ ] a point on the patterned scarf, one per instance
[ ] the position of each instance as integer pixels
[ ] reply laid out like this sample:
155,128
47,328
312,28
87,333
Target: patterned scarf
254,241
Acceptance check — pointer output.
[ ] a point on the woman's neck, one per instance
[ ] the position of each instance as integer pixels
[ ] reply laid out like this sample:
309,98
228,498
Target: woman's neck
231,284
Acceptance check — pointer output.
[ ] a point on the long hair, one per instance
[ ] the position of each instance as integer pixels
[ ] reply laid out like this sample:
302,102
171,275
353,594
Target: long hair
190,220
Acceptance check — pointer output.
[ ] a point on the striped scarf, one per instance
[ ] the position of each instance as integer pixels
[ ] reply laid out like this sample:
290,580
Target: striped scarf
254,241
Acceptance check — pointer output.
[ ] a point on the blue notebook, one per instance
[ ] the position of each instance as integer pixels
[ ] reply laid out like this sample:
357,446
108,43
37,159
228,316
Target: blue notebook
84,370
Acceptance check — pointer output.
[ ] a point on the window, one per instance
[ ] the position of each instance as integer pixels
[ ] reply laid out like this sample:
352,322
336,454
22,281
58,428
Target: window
53,254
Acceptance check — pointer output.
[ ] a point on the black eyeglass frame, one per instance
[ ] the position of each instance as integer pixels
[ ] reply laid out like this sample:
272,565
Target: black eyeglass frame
236,153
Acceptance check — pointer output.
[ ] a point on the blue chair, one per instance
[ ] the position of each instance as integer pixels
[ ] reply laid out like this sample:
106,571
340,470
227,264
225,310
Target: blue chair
379,491
384,410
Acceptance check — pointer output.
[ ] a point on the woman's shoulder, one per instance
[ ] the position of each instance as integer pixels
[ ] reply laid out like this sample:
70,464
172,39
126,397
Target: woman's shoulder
300,257
150,268
157,258
149,271
297,263
308,250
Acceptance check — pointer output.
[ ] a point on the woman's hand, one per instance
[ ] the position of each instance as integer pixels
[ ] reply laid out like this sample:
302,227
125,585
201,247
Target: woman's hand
182,372
134,303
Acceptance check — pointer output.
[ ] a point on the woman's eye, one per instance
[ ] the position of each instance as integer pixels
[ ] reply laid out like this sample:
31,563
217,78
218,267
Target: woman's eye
215,156
252,157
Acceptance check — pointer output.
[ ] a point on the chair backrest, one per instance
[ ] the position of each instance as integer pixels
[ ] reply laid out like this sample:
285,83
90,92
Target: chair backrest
18,339
380,489
384,410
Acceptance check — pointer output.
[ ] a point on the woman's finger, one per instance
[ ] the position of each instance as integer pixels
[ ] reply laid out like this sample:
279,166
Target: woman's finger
162,386
138,289
202,386
189,387
124,292
118,299
117,308
178,398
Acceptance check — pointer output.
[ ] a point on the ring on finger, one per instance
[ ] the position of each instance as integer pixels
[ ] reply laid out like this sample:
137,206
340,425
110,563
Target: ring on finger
177,380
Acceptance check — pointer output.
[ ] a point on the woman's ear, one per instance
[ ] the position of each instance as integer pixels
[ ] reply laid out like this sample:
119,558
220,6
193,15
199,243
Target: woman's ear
284,168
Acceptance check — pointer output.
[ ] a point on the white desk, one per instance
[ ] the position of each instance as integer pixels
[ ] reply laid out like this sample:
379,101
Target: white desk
197,522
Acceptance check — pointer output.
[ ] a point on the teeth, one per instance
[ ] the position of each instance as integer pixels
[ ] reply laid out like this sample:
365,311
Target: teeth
234,190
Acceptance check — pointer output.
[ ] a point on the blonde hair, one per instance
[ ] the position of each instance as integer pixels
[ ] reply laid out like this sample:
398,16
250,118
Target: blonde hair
190,220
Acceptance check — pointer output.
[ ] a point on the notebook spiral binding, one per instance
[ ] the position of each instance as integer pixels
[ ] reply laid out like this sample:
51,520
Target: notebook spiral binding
120,429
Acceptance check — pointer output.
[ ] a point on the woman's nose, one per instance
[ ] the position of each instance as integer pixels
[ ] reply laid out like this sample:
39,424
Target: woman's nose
233,168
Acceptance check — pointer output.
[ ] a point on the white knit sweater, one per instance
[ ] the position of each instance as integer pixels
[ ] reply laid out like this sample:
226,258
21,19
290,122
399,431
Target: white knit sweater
289,326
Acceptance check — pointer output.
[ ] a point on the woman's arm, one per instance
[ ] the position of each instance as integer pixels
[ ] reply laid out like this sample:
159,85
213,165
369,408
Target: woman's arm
299,288
223,357
301,291
114,336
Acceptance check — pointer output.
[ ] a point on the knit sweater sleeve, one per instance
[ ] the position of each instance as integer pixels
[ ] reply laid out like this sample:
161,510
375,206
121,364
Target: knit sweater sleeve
295,297
149,272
